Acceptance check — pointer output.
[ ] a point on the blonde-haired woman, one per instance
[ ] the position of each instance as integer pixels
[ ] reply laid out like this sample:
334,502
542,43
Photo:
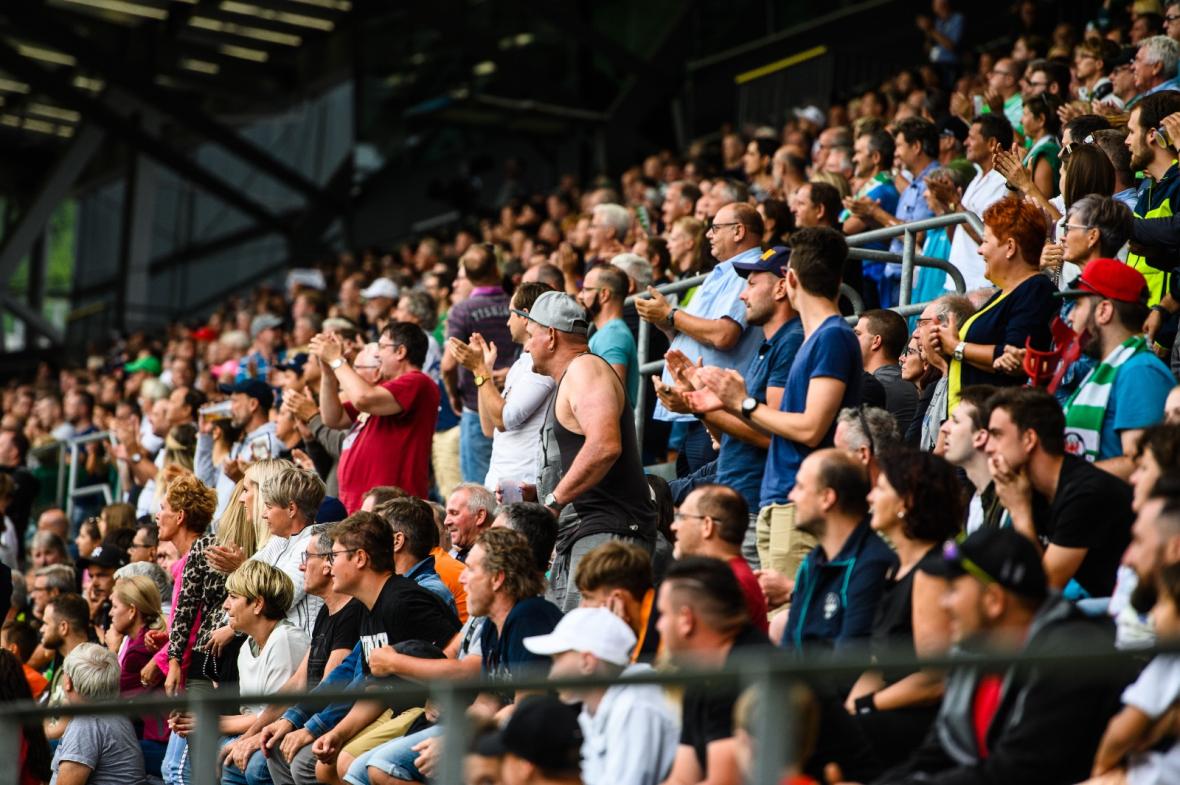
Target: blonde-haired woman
230,553
258,597
135,611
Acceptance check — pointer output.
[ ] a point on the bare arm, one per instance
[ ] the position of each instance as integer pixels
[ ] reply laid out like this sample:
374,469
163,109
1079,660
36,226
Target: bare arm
1121,466
808,427
366,397
331,409
685,769
596,409
1123,734
1061,564
387,662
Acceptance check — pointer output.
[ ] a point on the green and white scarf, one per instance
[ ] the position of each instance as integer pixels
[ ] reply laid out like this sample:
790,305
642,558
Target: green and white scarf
1086,408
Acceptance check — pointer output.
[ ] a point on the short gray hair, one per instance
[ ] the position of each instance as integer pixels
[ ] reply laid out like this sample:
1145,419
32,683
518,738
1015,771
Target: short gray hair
150,570
479,498
882,428
420,305
57,576
616,217
1164,50
956,305
94,671
726,192
293,484
321,533
636,267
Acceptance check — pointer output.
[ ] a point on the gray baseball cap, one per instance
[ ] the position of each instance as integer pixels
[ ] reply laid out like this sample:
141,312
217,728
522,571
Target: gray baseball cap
559,311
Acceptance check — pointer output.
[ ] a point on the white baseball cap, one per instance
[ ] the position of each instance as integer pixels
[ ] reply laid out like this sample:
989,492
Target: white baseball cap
382,287
596,631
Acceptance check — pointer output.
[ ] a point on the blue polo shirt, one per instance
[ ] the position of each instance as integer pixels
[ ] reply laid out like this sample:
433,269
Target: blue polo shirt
716,298
835,599
739,463
911,206
831,351
614,343
1136,401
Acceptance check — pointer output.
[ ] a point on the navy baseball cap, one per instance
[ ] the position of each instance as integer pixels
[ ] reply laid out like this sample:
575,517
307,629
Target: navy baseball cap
255,388
772,260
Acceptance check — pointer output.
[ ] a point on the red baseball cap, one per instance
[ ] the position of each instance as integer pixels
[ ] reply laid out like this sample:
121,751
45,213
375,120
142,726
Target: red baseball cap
1110,279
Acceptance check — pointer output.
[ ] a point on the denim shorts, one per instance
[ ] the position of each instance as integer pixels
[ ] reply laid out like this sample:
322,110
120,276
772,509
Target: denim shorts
395,758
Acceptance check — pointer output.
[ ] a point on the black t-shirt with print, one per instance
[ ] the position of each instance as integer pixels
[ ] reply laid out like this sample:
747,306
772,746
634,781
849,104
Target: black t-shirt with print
404,611
339,630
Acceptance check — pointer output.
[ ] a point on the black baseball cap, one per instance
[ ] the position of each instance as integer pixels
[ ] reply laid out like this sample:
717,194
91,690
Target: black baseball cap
255,388
953,126
542,730
293,363
772,260
1001,556
109,556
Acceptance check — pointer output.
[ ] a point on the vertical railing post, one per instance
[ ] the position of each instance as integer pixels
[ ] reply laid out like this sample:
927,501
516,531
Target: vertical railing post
61,474
10,734
71,481
772,724
204,743
641,398
907,267
456,731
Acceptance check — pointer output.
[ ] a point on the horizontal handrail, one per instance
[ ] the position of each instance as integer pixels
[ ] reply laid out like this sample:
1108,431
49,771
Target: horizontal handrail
937,222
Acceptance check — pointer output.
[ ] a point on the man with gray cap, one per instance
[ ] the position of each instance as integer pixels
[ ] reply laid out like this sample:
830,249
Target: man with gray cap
629,731
267,334
590,474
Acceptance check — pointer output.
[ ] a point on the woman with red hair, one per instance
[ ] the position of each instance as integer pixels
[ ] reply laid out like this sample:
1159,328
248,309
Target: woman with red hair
1014,234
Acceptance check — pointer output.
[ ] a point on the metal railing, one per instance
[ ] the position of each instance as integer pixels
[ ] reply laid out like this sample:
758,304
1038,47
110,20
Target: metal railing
67,472
908,259
772,673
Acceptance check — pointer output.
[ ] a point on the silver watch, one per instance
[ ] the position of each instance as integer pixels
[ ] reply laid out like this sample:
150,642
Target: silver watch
335,364
958,355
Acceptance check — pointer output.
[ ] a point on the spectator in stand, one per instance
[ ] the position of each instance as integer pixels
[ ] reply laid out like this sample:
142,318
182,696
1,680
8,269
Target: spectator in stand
679,201
985,349
629,731
1003,90
1096,227
916,151
48,549
882,336
265,350
816,204
964,436
840,582
743,447
471,509
1026,724
1154,67
712,328
536,523
825,377
591,475
686,243
703,624
1093,60
14,452
379,298
414,538
33,762
1172,21
515,416
603,292
257,602
49,581
609,229
1125,393
712,521
20,639
100,750
1155,156
1081,521
916,505
393,445
251,401
396,610
1042,125
485,311
540,744
66,626
144,543
874,164
618,576
136,614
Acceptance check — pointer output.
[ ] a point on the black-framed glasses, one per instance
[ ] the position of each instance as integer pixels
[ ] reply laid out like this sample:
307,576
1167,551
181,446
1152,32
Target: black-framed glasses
1083,227
864,426
714,226
138,545
331,555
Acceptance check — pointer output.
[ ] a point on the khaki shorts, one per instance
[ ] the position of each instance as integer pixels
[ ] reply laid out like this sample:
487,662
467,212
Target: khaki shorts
385,728
781,546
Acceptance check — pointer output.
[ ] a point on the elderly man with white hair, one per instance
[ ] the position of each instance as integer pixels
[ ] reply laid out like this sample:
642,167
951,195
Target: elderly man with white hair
609,226
99,750
1154,67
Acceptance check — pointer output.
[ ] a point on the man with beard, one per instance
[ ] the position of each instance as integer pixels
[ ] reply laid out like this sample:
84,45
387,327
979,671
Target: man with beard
603,293
250,403
841,580
1125,392
67,624
1023,724
743,447
1155,543
1154,154
1077,515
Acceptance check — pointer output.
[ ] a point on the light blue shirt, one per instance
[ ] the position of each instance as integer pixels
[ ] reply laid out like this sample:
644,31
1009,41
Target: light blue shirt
911,206
717,298
614,343
1136,401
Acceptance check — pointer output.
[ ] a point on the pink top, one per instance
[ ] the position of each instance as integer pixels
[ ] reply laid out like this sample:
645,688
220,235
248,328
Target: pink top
161,658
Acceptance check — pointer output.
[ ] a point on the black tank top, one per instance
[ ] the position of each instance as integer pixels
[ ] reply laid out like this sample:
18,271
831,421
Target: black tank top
619,504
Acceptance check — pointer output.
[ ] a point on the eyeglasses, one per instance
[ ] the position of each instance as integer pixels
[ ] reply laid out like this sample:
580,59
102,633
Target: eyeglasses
679,516
714,226
1083,227
953,553
1043,85
1172,18
305,557
864,426
331,555
388,345
139,545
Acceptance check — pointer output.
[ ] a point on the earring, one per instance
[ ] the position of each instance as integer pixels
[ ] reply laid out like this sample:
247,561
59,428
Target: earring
901,515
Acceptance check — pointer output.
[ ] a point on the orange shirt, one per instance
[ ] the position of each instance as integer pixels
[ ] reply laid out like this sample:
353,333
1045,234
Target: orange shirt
449,569
37,682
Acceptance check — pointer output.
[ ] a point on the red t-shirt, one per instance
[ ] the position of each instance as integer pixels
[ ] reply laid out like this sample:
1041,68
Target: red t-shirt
392,449
755,599
983,709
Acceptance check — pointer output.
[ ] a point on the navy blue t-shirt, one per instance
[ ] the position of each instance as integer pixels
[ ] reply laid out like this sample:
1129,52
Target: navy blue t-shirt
740,464
503,651
831,351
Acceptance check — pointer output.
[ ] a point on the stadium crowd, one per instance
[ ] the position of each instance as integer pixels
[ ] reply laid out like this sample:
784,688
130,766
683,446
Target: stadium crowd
424,465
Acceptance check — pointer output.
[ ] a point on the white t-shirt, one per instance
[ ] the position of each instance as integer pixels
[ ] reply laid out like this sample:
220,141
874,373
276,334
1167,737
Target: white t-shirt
286,553
515,448
1153,693
263,672
981,193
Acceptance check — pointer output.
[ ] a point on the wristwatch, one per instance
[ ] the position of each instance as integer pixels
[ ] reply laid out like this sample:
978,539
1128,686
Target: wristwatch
335,364
552,503
958,355
671,317
748,407
136,457
480,379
